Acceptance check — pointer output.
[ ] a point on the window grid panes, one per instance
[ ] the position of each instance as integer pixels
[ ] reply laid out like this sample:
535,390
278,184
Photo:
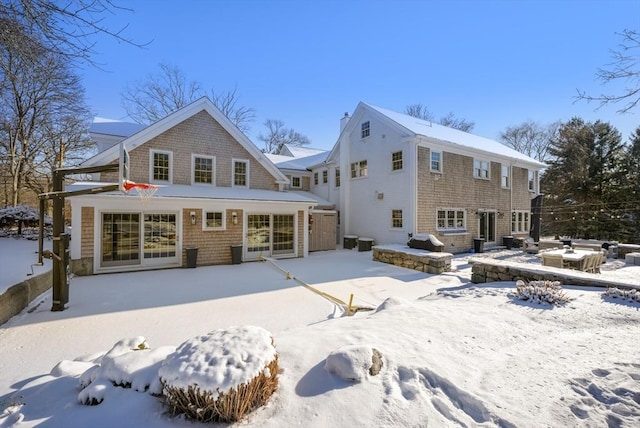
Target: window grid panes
325,176
359,169
240,173
506,179
159,235
315,178
161,166
213,220
436,161
337,177
481,169
396,219
203,170
396,161
295,182
120,238
520,221
366,130
451,219
283,234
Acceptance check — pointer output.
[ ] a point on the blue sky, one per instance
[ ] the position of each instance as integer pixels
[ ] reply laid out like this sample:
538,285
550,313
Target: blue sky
497,63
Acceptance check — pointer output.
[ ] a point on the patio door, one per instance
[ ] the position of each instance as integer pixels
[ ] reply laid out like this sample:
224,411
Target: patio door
487,226
270,235
138,239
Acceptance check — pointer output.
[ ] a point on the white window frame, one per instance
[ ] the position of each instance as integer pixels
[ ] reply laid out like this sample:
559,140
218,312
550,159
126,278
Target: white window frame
365,129
395,162
299,186
520,221
316,179
233,172
204,220
532,182
152,153
505,176
439,161
325,176
194,156
455,218
393,219
482,169
337,177
359,169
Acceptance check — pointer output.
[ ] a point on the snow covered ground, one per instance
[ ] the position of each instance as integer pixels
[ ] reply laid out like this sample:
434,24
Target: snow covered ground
454,353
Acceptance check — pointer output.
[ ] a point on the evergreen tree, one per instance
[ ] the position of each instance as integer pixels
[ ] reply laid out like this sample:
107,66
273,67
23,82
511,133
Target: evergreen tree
582,185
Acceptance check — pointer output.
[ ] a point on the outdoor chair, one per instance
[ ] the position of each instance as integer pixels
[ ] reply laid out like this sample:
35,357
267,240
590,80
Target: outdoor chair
593,262
552,260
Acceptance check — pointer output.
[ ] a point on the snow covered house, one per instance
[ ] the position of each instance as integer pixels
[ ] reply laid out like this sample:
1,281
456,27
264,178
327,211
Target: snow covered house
391,175
218,191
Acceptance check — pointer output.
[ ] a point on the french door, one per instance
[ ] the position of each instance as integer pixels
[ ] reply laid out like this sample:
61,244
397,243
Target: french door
270,235
144,239
487,226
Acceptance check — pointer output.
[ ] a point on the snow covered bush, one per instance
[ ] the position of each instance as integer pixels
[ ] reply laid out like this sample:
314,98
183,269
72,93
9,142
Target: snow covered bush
541,292
221,376
129,364
354,363
630,294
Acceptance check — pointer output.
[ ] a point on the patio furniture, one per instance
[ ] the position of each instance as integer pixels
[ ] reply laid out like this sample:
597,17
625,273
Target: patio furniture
552,260
574,259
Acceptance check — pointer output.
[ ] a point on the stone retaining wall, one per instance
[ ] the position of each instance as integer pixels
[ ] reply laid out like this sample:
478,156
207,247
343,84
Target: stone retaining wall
490,270
423,261
18,297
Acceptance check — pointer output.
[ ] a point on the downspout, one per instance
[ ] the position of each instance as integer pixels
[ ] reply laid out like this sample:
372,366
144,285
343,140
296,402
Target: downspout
414,199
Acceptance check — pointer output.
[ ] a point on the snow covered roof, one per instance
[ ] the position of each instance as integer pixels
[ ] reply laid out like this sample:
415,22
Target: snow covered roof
301,164
211,192
298,151
118,128
434,131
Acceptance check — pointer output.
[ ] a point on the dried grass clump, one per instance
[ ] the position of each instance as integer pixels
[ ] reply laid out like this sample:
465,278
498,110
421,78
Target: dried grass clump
229,406
632,295
541,292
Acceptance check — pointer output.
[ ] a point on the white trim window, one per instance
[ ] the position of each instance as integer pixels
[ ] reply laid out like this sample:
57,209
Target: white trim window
450,219
160,166
359,169
325,176
532,180
481,169
315,178
520,221
396,161
396,219
436,161
203,169
296,182
337,177
214,220
240,170
505,178
365,129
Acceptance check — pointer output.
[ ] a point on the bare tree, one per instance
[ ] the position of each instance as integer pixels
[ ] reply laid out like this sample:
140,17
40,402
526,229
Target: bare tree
531,138
168,90
65,29
277,136
624,67
422,112
38,94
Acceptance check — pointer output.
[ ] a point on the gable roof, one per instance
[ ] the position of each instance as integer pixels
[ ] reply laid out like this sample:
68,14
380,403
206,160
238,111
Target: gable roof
301,164
116,128
415,127
298,151
139,138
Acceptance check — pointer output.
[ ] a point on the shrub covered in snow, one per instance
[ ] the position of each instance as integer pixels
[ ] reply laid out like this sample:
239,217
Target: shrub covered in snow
354,363
221,376
541,292
129,364
13,216
615,293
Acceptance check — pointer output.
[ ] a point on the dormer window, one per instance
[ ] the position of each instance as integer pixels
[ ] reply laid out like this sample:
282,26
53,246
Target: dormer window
366,131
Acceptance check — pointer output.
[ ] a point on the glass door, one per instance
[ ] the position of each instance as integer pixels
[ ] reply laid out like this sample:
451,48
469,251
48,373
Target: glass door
258,235
487,226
